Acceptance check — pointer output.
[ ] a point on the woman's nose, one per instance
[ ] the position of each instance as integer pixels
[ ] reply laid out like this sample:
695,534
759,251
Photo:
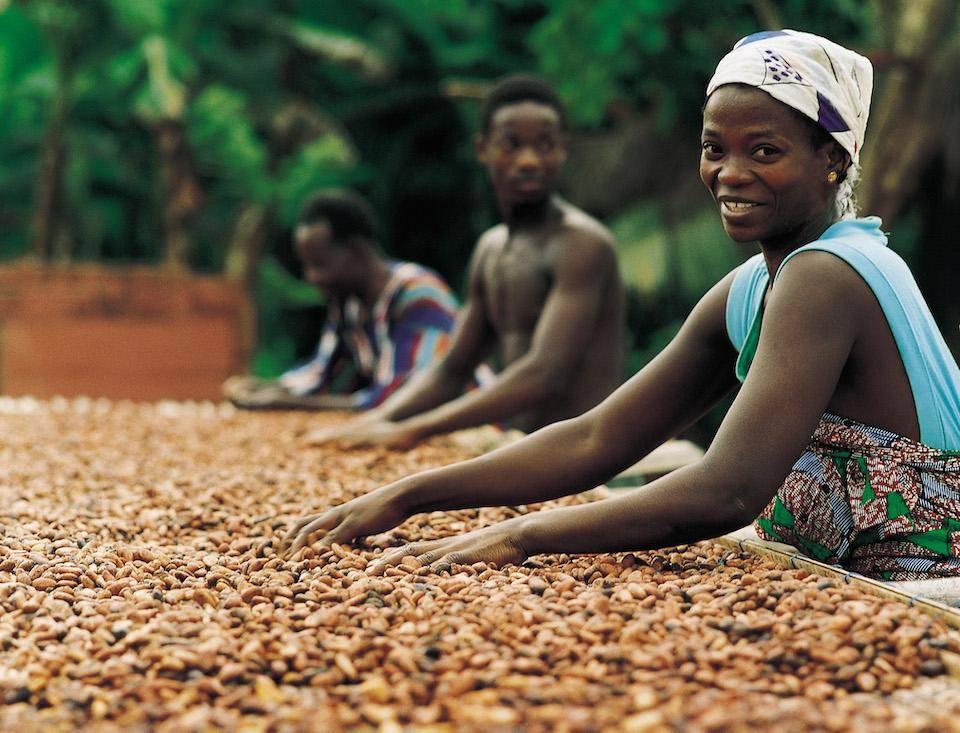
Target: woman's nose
735,172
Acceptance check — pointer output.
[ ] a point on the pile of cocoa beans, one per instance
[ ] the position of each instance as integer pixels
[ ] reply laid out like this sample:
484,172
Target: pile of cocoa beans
141,589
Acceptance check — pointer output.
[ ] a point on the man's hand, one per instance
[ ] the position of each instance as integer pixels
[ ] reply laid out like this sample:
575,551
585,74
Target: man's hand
369,514
241,385
497,545
252,393
364,433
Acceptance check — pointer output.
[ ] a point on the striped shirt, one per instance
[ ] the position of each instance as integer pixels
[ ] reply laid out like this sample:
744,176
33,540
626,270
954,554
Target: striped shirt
370,353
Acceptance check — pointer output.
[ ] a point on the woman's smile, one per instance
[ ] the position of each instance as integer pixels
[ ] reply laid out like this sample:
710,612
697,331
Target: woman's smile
739,211
759,161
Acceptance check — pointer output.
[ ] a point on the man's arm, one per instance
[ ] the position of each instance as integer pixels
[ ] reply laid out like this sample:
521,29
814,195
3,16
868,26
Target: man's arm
444,380
314,402
252,393
669,394
421,319
449,376
564,330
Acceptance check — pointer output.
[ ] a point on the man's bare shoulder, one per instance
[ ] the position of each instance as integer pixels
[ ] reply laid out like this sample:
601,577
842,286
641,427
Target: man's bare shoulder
587,245
490,241
582,227
495,236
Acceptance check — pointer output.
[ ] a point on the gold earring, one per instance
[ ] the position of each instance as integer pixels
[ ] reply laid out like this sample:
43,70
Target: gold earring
832,177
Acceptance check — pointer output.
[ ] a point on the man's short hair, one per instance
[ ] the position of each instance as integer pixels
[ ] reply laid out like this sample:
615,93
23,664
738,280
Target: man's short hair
348,214
520,88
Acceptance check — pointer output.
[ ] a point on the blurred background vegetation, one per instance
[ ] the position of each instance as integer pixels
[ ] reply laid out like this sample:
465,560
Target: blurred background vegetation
185,133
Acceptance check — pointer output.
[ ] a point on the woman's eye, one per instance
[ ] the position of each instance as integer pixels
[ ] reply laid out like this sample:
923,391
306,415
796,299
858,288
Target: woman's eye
547,145
765,151
710,148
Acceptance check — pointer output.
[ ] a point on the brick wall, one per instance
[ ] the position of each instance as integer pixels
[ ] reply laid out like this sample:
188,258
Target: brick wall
121,333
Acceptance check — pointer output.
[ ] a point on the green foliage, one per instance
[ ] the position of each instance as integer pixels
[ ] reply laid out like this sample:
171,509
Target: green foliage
659,54
691,255
327,161
669,268
280,295
279,97
226,146
26,78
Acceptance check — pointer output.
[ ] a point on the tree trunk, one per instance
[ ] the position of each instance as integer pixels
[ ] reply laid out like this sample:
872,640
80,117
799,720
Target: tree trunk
247,245
938,257
47,215
181,193
608,172
906,121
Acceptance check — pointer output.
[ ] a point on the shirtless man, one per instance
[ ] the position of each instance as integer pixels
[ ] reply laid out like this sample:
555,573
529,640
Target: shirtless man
545,297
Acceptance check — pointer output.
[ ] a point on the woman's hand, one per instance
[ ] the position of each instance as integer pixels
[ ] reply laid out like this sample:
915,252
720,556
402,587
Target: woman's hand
497,545
369,514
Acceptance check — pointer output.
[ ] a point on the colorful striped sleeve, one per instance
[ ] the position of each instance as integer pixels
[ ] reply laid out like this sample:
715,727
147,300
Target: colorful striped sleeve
313,375
421,318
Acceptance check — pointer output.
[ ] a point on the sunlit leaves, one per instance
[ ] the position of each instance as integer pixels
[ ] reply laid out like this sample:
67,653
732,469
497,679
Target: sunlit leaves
659,53
225,143
326,161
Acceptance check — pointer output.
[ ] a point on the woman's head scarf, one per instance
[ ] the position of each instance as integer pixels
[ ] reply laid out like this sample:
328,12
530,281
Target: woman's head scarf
817,77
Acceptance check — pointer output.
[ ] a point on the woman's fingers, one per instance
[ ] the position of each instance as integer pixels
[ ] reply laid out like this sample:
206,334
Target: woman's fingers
429,557
295,529
390,557
300,524
454,558
393,557
341,534
448,551
496,552
301,535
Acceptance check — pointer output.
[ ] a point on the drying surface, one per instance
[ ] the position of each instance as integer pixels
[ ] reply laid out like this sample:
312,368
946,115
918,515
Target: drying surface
140,590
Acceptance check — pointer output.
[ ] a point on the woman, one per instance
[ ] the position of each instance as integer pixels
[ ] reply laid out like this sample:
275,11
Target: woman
844,332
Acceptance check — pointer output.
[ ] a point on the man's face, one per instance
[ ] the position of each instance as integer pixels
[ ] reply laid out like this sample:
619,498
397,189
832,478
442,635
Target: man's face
523,151
326,265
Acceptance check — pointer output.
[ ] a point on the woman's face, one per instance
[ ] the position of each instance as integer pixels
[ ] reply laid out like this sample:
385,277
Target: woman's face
759,162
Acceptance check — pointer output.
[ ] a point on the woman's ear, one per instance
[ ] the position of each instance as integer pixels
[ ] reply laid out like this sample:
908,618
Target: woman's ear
838,160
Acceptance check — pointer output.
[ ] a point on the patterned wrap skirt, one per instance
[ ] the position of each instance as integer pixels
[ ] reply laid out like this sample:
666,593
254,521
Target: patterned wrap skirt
872,501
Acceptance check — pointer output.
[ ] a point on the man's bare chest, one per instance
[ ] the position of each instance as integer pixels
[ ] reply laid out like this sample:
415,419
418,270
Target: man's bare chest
517,280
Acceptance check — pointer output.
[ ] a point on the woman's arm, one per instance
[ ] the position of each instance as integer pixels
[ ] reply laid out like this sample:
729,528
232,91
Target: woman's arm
809,328
670,393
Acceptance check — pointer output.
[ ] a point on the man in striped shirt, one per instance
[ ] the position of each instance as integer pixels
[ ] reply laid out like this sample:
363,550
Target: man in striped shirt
385,321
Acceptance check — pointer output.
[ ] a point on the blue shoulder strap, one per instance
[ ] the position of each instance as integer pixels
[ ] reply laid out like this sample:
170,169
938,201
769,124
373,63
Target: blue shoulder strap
932,371
744,299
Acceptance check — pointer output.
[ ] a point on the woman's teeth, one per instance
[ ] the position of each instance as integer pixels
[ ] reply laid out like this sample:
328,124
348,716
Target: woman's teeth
738,205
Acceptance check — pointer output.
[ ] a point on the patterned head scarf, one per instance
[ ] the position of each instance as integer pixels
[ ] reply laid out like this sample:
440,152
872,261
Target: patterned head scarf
819,78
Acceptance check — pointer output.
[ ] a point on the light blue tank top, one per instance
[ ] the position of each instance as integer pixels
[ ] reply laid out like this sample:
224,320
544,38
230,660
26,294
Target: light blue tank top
931,368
